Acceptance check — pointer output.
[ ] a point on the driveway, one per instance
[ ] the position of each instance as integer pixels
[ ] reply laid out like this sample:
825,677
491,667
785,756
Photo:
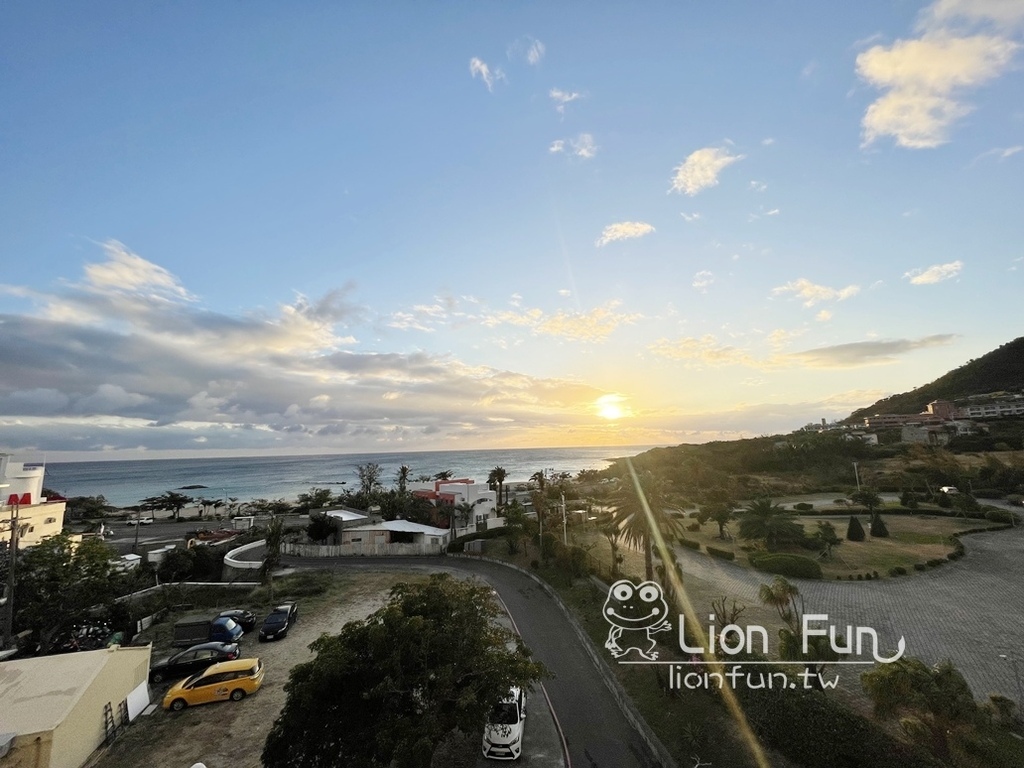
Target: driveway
968,611
596,731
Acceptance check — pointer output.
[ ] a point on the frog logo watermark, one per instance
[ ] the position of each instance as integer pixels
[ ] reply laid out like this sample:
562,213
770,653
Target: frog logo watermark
635,613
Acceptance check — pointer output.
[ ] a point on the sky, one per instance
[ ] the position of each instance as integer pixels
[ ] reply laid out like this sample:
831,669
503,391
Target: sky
270,228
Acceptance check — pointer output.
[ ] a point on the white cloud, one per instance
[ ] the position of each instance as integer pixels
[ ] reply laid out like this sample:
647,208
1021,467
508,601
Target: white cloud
823,316
703,280
557,146
1000,153
529,48
700,170
813,294
924,78
689,218
561,98
592,326
935,273
535,52
758,186
584,146
479,68
767,142
125,272
624,230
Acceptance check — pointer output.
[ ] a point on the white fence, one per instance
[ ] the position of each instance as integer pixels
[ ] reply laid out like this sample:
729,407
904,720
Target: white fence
231,558
360,550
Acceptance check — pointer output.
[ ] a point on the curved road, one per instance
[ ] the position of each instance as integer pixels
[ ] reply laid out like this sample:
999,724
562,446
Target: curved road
589,715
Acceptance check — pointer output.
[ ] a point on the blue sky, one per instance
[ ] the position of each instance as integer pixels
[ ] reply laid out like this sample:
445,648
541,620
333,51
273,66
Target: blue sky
262,228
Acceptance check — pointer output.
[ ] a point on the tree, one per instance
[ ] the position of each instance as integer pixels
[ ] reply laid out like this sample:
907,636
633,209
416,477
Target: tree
497,477
611,531
640,512
855,531
369,477
879,529
402,479
540,479
177,565
316,498
872,501
464,512
764,520
386,691
786,599
272,552
320,528
171,500
826,534
936,703
58,584
445,474
515,526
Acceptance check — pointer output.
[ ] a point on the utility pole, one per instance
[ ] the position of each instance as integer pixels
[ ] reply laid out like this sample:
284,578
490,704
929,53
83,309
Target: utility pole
12,558
565,534
856,474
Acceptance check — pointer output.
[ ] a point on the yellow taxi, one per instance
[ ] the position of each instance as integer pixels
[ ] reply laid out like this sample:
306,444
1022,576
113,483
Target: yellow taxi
232,680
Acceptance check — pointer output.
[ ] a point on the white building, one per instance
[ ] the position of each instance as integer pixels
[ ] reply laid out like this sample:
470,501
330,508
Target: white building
56,710
455,492
21,498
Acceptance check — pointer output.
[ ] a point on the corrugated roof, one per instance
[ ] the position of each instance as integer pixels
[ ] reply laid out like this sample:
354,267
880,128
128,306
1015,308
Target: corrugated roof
36,694
405,526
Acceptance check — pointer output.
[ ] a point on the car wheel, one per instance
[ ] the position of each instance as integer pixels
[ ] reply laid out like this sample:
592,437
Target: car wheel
237,695
157,677
178,704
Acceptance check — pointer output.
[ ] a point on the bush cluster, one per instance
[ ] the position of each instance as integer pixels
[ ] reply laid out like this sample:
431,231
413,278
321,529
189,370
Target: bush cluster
725,554
689,543
783,719
786,564
1002,516
803,506
898,570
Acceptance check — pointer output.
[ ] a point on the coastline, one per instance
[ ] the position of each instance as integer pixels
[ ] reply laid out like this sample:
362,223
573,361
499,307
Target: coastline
124,483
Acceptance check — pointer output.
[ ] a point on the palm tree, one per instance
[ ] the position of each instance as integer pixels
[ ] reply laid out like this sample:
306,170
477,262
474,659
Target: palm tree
465,511
763,519
402,478
613,533
540,479
639,512
497,477
446,474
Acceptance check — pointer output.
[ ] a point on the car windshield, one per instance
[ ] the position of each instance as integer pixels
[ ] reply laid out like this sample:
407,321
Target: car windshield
229,624
504,713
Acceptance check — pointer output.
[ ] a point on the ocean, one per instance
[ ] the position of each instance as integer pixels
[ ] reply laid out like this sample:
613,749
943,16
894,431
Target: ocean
125,483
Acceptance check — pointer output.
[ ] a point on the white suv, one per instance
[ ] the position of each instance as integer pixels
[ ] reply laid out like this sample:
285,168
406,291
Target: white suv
503,734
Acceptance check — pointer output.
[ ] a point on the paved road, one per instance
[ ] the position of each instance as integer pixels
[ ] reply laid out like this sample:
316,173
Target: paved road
589,716
969,611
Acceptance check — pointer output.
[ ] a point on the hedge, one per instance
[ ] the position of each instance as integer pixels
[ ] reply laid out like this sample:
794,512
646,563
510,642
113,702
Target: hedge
786,564
816,731
725,554
689,543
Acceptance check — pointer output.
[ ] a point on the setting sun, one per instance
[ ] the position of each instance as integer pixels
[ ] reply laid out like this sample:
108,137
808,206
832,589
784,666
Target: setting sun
609,407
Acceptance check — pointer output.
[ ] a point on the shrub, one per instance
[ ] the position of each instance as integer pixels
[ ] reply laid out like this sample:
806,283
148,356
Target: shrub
935,562
725,554
535,564
1002,516
693,527
878,528
785,718
855,531
786,564
919,566
860,577
868,576
689,543
898,570
875,574
803,506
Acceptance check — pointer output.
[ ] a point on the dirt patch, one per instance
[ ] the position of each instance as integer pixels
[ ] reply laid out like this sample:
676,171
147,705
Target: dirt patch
231,735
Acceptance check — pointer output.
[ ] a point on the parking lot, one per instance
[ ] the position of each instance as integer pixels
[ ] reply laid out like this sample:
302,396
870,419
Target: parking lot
231,735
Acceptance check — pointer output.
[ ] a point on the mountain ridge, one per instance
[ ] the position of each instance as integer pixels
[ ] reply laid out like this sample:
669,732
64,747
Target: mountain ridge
1000,370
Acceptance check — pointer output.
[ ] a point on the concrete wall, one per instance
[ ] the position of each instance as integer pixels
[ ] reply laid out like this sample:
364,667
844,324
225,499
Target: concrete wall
362,549
83,729
39,521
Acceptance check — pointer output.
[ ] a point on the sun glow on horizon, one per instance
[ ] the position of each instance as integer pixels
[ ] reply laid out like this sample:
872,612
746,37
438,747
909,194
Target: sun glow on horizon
611,407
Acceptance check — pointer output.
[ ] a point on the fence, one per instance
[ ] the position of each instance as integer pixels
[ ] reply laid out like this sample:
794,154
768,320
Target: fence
360,550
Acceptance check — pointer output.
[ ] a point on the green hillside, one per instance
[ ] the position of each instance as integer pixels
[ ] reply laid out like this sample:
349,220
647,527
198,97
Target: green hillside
999,370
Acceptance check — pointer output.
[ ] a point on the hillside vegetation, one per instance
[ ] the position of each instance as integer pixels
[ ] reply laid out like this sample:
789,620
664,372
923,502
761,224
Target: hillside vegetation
1000,370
